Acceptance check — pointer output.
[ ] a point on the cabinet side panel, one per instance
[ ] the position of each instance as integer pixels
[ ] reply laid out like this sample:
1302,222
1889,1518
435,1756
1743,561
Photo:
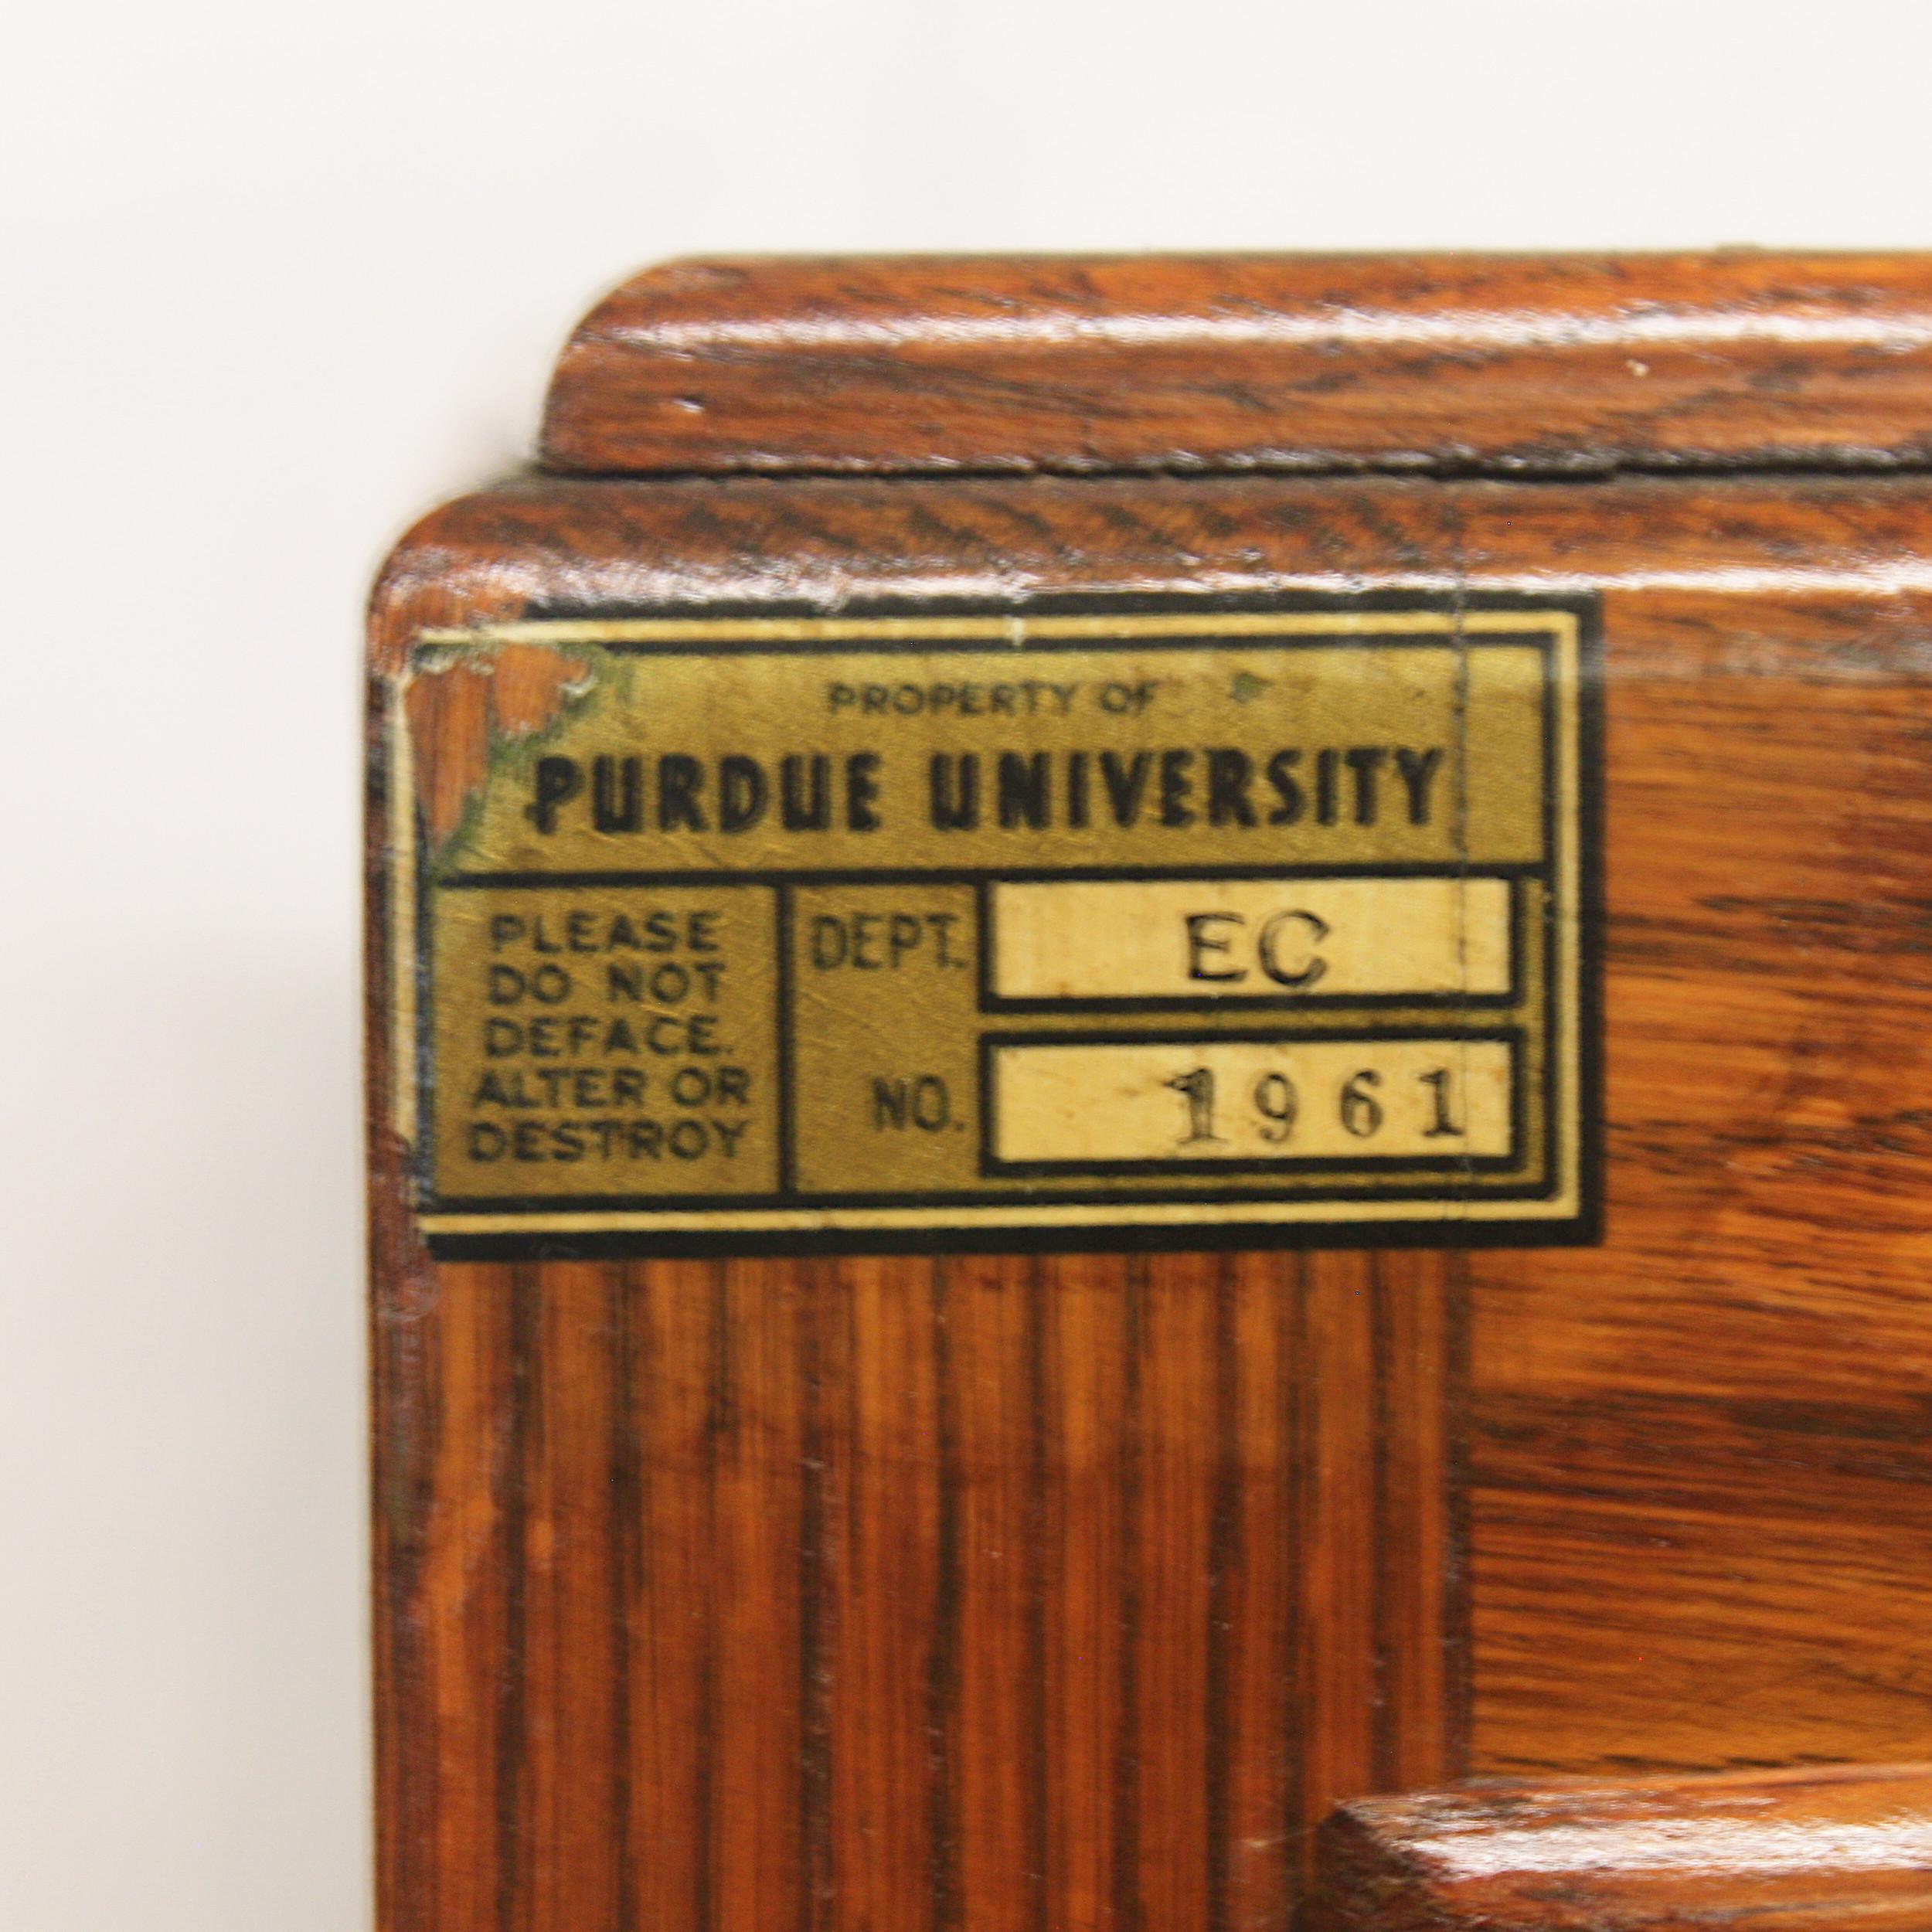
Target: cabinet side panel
1701,1455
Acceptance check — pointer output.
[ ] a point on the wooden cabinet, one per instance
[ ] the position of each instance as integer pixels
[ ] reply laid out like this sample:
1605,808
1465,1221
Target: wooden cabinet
959,1590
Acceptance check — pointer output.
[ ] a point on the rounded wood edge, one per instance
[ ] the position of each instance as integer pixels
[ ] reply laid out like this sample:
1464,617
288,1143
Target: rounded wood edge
1510,365
1808,1848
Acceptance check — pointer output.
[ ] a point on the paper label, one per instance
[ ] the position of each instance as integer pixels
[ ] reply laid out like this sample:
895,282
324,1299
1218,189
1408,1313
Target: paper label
1108,927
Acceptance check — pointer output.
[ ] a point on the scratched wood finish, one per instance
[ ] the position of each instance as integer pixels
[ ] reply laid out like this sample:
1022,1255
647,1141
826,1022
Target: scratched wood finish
1805,1851
1564,365
970,1593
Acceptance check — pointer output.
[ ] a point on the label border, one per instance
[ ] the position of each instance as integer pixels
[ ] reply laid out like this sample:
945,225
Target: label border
992,1004
1568,1212
1512,1037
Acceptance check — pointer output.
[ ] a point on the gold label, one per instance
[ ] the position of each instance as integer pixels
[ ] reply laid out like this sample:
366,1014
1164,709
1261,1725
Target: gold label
1155,926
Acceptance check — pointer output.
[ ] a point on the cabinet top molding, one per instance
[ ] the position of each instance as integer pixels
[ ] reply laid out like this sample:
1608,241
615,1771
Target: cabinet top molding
1422,364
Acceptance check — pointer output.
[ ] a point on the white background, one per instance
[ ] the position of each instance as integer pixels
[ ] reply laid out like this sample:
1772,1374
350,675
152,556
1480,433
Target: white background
274,278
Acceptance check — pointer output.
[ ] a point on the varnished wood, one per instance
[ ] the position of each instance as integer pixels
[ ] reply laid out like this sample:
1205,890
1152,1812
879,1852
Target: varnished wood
919,1594
1806,1851
1573,364
810,1593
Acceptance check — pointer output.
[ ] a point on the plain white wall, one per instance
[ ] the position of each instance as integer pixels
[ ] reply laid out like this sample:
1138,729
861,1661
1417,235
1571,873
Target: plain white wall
273,278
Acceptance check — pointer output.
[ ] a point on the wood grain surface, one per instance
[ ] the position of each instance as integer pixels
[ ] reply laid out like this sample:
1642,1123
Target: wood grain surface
1072,1592
1568,364
1804,1850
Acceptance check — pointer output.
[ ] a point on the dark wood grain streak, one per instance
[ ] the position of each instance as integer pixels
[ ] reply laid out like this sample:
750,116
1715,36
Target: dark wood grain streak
1336,1458
670,1616
1421,1639
1262,1717
1563,365
1091,1480
1123,1770
763,1521
513,1785
944,1667
1040,1769
1223,1555
623,1457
